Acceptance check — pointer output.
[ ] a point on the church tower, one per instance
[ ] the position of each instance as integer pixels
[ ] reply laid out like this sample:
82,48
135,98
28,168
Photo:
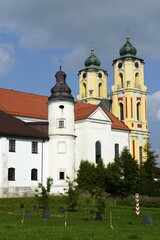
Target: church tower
129,97
92,81
61,133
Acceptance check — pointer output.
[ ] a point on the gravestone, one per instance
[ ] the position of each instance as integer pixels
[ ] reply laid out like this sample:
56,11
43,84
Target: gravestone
21,205
35,206
61,209
28,213
46,213
91,211
98,216
147,220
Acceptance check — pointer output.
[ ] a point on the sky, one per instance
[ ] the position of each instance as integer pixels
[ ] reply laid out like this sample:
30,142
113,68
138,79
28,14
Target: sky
36,36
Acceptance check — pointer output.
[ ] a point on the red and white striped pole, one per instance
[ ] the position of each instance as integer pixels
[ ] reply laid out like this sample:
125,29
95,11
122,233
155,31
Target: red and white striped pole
137,203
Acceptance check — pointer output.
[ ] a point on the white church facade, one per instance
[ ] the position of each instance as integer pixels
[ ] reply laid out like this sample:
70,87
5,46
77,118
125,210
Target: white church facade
43,136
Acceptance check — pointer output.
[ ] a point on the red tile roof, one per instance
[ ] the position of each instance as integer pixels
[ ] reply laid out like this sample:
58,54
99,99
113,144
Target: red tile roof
35,106
23,104
84,110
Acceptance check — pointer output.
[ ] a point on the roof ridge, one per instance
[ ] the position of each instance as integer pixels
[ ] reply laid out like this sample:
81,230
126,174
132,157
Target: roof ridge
18,91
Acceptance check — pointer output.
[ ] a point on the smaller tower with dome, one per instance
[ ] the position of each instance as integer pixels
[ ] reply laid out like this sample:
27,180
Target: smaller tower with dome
92,81
61,152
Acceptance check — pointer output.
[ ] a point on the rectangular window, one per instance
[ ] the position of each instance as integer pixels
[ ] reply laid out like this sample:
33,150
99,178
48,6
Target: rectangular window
61,123
34,147
12,145
61,175
116,149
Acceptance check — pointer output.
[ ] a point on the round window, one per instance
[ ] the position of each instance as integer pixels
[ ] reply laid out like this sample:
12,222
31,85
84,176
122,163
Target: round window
84,75
119,65
100,75
136,64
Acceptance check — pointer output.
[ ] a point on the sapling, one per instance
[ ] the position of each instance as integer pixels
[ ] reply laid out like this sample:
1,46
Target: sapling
42,194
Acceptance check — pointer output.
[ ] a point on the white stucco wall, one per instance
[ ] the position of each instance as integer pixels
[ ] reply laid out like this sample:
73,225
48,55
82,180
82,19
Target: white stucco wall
120,137
23,160
97,128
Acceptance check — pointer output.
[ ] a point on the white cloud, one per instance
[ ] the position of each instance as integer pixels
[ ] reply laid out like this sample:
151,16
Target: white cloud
154,106
7,58
158,115
42,24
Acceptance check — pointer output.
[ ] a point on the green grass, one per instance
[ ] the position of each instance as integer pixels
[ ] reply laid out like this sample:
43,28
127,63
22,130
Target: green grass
81,225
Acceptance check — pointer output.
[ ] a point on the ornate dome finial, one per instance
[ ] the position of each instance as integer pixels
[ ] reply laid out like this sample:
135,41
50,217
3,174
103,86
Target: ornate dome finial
60,66
127,37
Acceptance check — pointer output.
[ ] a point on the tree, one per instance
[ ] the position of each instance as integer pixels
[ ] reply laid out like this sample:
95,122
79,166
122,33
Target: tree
91,175
149,172
86,176
72,195
100,175
122,175
42,192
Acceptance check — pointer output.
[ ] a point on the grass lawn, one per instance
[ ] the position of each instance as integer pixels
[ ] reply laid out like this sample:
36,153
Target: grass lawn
80,225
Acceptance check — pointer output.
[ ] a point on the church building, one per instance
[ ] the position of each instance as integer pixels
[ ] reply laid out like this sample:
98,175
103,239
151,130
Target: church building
48,136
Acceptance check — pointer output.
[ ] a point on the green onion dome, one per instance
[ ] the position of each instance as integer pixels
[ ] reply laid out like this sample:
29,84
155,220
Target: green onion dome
92,60
127,49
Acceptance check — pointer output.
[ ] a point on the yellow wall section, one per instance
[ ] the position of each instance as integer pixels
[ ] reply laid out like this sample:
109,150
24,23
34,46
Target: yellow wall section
92,89
129,89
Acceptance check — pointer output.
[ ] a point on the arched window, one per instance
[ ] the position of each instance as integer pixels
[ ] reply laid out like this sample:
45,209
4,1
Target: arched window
98,150
11,174
138,111
116,149
85,90
121,111
99,89
34,174
121,80
137,83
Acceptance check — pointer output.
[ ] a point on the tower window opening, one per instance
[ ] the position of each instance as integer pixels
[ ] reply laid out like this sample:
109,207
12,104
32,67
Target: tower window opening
61,106
99,89
138,111
61,123
137,82
61,175
121,111
98,151
85,90
121,80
